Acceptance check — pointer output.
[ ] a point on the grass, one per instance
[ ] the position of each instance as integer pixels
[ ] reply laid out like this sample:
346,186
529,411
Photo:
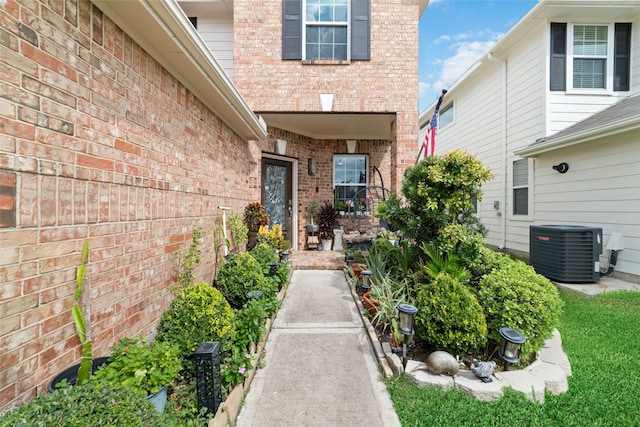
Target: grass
601,336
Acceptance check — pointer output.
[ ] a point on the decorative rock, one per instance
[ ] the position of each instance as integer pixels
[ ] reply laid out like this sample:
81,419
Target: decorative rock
422,378
441,362
483,370
467,382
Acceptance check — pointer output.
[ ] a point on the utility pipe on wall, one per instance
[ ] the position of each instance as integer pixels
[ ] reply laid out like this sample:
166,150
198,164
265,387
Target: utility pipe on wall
505,166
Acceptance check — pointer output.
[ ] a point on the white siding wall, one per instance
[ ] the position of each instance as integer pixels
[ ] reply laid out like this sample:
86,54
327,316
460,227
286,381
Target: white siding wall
479,127
218,36
566,109
600,190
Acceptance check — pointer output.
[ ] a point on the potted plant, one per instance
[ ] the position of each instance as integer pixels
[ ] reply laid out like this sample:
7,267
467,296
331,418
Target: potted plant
313,209
341,207
79,373
147,368
254,217
327,222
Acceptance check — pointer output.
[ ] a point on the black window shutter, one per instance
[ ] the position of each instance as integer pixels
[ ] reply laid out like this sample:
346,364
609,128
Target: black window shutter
622,57
291,29
360,30
558,65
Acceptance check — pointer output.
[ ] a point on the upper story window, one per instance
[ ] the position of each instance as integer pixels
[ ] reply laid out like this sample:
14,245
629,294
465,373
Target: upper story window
326,27
446,115
326,30
590,57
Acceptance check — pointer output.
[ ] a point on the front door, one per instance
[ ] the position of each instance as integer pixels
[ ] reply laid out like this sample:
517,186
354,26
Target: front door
277,195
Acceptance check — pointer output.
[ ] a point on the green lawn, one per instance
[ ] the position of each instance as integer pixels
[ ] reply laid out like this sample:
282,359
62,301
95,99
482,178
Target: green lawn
600,335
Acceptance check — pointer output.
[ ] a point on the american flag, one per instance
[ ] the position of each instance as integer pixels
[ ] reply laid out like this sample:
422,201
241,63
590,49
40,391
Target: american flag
429,144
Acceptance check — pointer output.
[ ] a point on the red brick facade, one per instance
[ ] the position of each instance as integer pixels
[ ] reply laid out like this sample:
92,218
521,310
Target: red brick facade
387,83
98,143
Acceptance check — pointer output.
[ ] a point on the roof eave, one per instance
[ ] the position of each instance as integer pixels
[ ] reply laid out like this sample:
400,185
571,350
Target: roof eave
161,28
628,125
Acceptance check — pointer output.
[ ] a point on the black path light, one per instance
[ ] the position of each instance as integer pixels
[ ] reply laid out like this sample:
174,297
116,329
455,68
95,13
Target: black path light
273,269
512,341
406,313
257,294
208,379
366,279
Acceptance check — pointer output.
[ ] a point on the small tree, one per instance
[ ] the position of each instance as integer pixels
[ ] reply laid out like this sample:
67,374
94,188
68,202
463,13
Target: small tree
438,191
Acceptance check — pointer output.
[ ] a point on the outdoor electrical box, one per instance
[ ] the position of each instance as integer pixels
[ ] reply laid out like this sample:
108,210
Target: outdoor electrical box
566,253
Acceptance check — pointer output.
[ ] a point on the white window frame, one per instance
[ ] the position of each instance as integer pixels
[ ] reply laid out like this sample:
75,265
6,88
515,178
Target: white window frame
609,59
306,23
529,186
366,171
449,106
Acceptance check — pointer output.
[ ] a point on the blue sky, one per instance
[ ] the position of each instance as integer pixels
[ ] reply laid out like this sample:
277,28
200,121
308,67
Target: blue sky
455,33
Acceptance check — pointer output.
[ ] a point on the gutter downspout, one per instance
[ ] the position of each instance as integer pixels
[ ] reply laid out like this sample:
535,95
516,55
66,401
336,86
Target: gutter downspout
505,171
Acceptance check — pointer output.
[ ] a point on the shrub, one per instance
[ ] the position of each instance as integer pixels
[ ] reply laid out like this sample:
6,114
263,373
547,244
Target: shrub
239,275
198,314
90,404
386,251
264,254
514,295
438,191
143,367
449,316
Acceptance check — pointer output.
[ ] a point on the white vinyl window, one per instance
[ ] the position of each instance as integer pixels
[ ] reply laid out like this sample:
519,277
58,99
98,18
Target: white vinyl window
350,177
326,29
446,115
590,57
521,187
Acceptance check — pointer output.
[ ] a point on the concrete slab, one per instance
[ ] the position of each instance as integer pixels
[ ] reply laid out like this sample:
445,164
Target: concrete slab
605,284
319,367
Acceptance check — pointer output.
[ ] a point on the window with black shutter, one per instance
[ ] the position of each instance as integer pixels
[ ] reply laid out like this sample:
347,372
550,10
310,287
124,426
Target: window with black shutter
320,29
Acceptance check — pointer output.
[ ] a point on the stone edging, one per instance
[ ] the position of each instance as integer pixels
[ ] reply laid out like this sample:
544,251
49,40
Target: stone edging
548,372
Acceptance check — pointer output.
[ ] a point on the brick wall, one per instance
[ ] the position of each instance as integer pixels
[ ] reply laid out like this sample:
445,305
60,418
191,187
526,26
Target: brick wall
97,142
386,83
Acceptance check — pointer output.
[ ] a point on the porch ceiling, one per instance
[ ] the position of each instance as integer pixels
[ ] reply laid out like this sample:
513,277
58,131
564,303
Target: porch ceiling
334,125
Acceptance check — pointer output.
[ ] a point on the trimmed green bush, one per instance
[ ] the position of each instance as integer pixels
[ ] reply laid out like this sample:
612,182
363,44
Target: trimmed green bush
264,254
514,295
143,367
198,314
449,316
239,275
90,404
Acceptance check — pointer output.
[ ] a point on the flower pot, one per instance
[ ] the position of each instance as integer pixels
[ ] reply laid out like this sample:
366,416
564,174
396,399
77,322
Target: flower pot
159,399
71,374
369,303
326,244
252,239
358,268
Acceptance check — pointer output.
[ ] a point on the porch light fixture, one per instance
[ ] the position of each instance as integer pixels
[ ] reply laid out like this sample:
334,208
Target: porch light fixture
406,313
512,341
562,167
366,279
351,146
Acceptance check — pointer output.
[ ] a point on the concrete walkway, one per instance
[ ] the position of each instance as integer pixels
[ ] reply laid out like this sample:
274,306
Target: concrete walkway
319,368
